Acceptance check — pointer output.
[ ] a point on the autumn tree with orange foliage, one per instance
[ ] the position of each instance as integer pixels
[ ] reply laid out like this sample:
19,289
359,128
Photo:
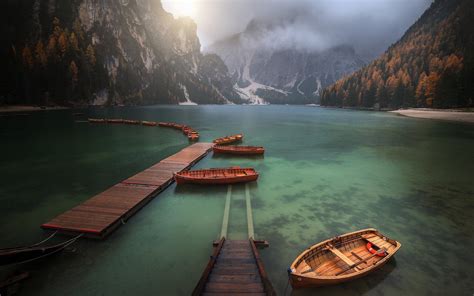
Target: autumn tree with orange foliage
432,65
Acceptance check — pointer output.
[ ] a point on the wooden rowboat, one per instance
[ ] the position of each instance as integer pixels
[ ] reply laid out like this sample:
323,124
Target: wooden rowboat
29,253
193,136
114,120
239,150
228,139
217,176
342,258
165,124
128,121
149,123
96,120
186,129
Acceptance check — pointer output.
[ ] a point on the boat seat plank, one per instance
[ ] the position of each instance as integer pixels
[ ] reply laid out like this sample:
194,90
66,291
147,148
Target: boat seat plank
378,242
341,256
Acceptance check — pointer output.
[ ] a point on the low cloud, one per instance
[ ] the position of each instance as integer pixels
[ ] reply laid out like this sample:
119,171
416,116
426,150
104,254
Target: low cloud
369,25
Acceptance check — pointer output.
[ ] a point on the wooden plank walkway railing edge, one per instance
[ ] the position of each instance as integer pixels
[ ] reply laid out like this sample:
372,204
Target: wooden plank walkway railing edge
263,274
199,289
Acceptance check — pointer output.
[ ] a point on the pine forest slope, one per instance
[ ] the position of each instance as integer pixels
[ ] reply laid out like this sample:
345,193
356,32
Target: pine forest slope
432,65
81,52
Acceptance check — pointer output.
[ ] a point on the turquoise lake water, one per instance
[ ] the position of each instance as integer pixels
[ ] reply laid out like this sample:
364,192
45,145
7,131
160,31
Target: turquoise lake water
325,172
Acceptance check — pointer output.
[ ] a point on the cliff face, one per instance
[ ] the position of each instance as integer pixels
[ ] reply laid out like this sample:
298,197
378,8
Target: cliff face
105,52
265,73
432,65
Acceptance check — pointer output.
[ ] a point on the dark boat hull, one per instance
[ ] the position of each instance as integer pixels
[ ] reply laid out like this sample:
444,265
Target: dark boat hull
239,150
24,254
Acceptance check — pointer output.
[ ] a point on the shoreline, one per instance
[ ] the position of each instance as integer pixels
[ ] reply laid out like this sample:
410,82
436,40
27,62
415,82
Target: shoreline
446,115
27,108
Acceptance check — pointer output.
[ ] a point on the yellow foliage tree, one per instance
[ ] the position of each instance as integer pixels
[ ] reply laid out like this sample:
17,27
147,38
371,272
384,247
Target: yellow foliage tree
73,41
40,54
63,43
90,55
27,57
74,72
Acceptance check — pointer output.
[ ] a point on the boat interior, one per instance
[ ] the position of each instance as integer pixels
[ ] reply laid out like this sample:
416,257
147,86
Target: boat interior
345,255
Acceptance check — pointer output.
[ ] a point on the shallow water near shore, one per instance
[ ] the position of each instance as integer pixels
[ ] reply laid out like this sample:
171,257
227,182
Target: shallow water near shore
325,172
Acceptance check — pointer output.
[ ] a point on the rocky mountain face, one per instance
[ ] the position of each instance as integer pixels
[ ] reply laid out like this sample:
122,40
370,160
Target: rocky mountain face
106,52
264,73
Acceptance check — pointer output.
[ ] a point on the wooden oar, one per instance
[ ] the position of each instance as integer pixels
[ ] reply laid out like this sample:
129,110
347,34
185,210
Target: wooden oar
379,252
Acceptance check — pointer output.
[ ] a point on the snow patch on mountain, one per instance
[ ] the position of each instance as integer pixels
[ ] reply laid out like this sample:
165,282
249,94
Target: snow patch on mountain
263,73
186,96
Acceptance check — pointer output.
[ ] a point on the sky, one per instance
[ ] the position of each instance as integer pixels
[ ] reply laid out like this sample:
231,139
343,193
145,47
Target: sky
368,25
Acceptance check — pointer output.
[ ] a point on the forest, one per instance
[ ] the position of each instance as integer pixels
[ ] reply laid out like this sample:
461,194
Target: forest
66,59
431,66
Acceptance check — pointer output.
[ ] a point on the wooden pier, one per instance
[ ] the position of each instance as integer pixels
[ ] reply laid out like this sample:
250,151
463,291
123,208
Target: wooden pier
101,214
235,267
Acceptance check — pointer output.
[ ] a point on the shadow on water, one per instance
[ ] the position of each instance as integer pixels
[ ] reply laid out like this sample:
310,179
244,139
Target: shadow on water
212,190
361,286
193,189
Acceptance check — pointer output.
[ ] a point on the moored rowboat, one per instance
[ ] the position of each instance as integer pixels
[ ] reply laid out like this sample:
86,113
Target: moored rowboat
193,136
239,150
96,120
149,123
33,252
165,124
342,258
217,176
128,121
112,120
186,129
228,139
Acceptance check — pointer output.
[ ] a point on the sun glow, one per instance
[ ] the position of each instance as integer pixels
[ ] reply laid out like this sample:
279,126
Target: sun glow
180,7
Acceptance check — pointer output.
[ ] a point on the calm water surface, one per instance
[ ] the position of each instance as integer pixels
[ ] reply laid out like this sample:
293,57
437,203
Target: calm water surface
325,172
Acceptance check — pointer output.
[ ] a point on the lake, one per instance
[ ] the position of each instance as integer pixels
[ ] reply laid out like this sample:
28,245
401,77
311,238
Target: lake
325,172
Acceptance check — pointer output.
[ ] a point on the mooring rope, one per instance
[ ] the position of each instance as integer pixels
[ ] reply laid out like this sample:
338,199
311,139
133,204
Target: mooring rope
46,239
66,244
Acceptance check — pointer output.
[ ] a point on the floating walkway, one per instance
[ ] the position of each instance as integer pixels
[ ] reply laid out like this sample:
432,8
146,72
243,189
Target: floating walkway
235,266
100,215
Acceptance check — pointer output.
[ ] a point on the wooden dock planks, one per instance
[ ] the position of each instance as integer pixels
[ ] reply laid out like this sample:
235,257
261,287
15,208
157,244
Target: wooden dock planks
234,268
101,214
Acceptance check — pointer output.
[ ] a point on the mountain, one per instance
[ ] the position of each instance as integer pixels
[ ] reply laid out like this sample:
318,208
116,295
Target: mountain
432,65
105,52
266,72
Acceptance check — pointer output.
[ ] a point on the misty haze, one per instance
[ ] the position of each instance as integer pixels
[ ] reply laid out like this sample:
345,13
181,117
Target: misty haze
237,147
